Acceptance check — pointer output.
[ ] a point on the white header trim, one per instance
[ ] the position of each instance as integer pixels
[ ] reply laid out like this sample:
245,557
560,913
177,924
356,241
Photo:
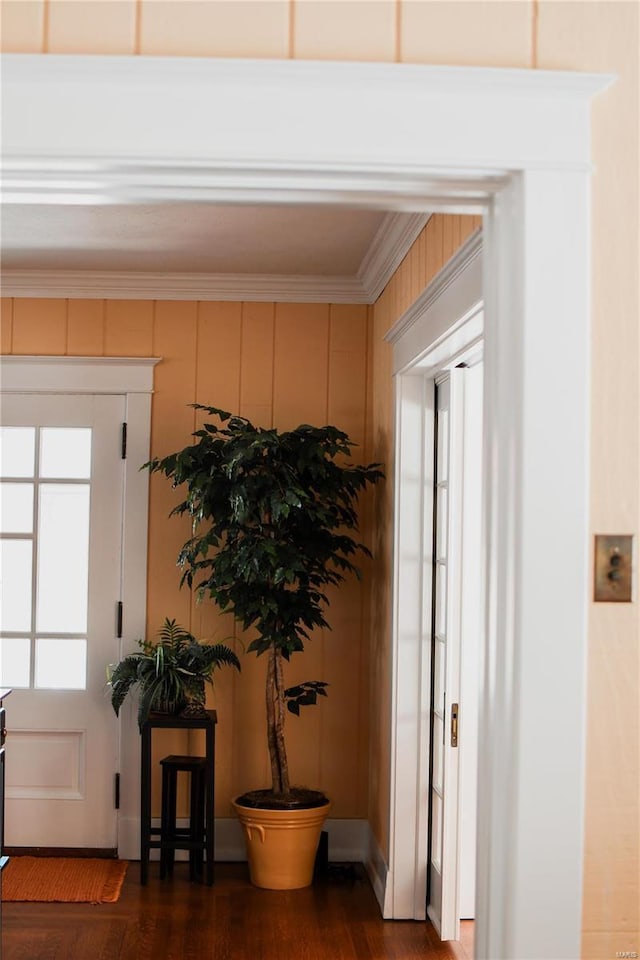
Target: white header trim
77,374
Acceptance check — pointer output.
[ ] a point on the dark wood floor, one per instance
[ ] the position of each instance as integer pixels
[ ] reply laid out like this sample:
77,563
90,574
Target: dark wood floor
336,919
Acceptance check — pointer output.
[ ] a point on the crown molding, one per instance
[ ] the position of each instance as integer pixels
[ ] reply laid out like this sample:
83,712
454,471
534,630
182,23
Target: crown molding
393,239
115,285
395,236
448,275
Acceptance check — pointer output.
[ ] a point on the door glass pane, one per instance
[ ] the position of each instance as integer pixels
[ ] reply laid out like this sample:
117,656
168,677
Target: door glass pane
61,664
442,462
438,753
15,654
15,588
16,507
441,600
442,517
17,451
438,675
436,830
63,558
65,452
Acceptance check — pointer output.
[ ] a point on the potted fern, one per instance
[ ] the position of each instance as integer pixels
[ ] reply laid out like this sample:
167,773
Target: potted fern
170,674
272,514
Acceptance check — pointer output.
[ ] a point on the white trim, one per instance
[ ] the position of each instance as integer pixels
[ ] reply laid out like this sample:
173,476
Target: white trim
133,377
128,152
452,273
377,870
389,246
124,285
25,374
515,143
435,338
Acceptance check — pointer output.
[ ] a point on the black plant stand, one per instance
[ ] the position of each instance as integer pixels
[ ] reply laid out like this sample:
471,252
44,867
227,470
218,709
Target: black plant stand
150,837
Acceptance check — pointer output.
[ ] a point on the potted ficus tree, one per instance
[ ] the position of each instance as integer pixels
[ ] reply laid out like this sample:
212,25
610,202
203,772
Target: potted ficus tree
271,514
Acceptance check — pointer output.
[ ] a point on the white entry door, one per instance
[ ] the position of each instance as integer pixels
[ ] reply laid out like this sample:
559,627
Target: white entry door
456,638
442,906
60,533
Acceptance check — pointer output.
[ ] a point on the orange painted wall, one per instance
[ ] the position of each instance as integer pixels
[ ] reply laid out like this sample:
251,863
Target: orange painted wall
278,365
600,35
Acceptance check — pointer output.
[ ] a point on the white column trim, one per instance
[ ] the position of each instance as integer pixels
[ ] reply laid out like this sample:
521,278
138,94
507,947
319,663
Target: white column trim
513,143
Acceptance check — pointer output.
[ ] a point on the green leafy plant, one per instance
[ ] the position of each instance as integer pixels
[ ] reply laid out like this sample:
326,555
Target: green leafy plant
170,674
271,513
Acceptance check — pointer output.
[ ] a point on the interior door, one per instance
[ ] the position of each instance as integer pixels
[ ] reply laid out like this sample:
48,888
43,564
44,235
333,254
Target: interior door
60,535
442,907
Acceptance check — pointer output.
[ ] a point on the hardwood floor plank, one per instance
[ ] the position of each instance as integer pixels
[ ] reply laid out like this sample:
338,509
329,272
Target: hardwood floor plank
336,919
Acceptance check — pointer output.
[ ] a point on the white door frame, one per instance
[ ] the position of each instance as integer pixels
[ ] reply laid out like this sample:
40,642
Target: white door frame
512,144
132,378
444,324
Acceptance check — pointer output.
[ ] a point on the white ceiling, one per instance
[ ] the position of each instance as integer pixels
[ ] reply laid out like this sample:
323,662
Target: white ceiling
190,238
234,251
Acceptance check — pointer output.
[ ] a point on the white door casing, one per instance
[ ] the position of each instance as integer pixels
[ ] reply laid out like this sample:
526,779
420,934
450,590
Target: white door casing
131,381
515,145
64,735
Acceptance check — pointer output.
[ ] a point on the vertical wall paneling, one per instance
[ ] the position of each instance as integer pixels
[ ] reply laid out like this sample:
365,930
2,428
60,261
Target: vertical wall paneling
466,33
300,364
172,422
347,371
85,328
129,328
39,326
256,380
91,26
222,28
218,363
6,325
22,26
219,337
350,30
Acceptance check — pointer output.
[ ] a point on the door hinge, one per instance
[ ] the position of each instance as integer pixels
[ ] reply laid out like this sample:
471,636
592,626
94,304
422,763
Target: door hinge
119,609
116,791
454,724
123,448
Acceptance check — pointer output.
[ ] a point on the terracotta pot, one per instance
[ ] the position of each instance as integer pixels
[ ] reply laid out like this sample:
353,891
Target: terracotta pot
281,844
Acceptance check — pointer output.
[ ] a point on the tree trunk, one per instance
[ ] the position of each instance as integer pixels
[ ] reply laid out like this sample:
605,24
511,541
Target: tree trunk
271,697
282,753
275,723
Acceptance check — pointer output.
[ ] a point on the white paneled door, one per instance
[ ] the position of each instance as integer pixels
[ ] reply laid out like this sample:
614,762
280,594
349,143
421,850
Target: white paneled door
61,490
456,639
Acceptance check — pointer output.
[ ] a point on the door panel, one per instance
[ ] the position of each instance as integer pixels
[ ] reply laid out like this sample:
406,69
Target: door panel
62,576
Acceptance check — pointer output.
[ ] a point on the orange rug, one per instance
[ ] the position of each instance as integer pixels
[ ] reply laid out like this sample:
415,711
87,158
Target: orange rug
62,880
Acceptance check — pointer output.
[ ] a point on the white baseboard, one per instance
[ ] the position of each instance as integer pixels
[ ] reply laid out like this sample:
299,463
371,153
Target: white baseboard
377,871
349,840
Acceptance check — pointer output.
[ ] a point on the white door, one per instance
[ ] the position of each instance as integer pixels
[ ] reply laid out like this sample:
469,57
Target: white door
442,905
471,639
456,648
60,535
